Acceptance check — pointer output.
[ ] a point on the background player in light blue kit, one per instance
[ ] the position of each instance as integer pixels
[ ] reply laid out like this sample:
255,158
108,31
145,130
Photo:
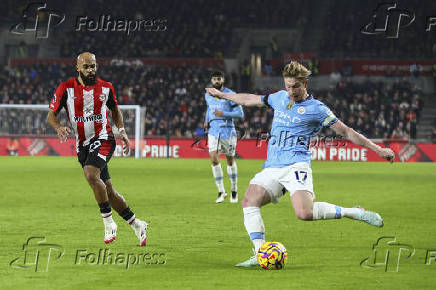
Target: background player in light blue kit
222,135
297,118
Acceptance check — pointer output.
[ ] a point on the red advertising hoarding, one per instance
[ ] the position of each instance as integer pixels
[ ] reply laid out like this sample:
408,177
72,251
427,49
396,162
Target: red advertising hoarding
246,149
378,67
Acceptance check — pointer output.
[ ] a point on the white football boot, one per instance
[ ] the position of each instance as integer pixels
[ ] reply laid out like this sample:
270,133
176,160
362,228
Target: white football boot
140,228
234,197
252,262
370,217
110,232
221,197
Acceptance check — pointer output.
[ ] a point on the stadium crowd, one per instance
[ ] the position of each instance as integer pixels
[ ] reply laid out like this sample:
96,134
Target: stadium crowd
174,29
205,31
174,99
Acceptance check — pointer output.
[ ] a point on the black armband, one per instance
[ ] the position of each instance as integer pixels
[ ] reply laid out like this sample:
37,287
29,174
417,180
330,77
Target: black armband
265,101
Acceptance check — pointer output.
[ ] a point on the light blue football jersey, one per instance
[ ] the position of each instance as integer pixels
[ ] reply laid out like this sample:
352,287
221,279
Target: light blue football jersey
292,129
222,127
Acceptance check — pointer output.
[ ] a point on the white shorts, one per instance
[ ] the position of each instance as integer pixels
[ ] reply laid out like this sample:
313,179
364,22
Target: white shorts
294,177
226,146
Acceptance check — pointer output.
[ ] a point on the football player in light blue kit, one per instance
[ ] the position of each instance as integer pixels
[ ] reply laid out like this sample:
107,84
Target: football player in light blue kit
297,118
222,136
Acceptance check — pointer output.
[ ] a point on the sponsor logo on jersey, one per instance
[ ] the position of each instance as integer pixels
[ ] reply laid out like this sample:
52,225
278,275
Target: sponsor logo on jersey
88,95
96,118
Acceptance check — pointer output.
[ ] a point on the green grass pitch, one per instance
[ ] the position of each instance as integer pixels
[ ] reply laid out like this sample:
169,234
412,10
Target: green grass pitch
200,241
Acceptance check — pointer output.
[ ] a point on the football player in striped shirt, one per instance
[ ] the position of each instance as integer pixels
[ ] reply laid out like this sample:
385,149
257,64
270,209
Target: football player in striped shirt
86,99
298,117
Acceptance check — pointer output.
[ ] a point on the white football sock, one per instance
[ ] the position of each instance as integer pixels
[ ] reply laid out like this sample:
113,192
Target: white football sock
254,225
107,218
326,211
218,175
352,213
233,175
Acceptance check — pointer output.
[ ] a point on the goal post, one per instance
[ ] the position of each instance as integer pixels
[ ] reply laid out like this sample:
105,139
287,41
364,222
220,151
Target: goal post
30,121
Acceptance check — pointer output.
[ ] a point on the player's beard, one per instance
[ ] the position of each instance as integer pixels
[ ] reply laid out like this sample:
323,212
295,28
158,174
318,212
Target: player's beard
218,86
88,80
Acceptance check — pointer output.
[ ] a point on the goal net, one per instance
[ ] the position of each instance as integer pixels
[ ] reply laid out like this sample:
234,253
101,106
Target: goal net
30,121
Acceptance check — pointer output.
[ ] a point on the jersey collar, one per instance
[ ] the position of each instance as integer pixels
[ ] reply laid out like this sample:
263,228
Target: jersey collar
309,97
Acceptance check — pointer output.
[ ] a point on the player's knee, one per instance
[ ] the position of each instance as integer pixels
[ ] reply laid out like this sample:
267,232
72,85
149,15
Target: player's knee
244,202
91,176
215,162
230,161
304,214
250,200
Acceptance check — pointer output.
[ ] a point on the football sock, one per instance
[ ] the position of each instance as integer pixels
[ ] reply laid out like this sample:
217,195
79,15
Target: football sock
218,175
254,225
352,213
128,216
233,175
325,211
106,212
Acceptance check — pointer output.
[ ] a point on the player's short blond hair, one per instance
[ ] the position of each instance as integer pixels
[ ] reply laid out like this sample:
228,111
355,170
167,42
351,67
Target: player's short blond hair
296,70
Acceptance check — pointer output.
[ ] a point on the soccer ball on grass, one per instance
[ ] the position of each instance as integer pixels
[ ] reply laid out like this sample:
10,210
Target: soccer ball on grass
272,256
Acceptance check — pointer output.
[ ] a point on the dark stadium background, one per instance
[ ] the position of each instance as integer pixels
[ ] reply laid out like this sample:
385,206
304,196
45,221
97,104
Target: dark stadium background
383,87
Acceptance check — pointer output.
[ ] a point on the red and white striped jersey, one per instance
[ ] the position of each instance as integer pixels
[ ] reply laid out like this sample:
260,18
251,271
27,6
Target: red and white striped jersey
86,109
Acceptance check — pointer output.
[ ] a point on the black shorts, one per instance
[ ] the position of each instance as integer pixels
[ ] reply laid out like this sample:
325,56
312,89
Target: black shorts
97,153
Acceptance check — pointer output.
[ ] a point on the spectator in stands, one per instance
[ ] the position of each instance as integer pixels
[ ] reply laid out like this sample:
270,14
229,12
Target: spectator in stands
335,78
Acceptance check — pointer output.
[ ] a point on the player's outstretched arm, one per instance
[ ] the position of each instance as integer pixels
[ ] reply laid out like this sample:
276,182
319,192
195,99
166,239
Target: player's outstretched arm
53,121
341,129
117,116
235,113
241,99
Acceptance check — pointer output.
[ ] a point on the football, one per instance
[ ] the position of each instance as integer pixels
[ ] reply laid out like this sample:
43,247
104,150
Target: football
272,256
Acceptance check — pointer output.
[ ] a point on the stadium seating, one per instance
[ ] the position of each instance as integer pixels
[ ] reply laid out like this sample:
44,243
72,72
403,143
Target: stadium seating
193,29
174,98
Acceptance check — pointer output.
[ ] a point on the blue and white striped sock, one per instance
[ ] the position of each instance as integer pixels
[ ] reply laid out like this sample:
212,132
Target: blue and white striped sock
254,225
218,175
233,175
